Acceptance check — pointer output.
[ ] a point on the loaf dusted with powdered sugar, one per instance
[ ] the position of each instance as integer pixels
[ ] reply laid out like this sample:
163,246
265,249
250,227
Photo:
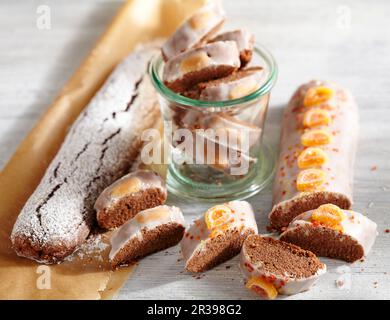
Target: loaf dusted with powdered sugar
99,148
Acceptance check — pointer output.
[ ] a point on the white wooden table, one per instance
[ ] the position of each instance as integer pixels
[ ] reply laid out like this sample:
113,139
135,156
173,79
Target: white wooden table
346,41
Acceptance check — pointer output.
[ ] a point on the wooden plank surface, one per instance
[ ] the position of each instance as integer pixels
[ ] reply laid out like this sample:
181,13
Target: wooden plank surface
345,41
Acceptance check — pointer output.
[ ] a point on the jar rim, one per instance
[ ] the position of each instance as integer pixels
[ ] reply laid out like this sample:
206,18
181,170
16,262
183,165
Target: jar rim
172,96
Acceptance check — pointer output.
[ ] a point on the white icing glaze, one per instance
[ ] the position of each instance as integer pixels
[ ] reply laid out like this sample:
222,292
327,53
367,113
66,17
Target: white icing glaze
195,29
286,284
228,135
243,38
356,225
131,183
340,152
225,158
222,53
198,233
250,134
195,119
146,219
233,89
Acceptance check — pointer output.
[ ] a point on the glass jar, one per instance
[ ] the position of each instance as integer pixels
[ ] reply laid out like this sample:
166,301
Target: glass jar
216,151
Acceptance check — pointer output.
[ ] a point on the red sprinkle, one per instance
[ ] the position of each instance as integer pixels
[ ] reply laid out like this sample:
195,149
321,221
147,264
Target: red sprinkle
248,266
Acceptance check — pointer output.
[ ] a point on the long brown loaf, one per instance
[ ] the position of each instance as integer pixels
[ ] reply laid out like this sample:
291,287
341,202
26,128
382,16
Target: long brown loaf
99,148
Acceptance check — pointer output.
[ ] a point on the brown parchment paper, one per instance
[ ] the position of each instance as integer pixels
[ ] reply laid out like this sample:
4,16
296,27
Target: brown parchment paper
86,275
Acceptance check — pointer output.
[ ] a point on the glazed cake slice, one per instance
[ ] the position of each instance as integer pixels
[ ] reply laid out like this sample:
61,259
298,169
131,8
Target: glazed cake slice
220,154
202,25
272,266
218,235
220,140
209,62
236,85
129,195
331,232
151,230
245,42
246,133
228,130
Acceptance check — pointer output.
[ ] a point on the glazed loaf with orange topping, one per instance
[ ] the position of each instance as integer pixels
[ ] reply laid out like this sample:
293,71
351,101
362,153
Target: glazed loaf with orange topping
218,235
317,152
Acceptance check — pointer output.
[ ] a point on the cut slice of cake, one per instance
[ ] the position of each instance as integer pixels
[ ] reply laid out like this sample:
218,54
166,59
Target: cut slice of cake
218,235
137,191
152,230
211,61
245,42
234,86
272,266
231,131
332,232
197,29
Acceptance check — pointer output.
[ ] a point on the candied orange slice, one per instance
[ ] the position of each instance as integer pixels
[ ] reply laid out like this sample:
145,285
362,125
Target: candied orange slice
200,20
262,288
316,117
312,157
218,230
317,137
310,179
194,62
317,95
155,214
242,90
218,216
328,215
126,187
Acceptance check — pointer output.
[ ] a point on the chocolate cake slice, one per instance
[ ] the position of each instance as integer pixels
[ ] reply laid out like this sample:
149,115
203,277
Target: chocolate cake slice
234,86
129,195
211,61
218,235
272,266
332,232
245,43
152,230
197,29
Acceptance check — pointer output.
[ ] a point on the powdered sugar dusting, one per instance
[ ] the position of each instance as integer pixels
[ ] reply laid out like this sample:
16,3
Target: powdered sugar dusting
98,149
93,246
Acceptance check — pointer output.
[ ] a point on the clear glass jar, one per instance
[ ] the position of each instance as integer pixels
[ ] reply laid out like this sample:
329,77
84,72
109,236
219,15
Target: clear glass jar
216,150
